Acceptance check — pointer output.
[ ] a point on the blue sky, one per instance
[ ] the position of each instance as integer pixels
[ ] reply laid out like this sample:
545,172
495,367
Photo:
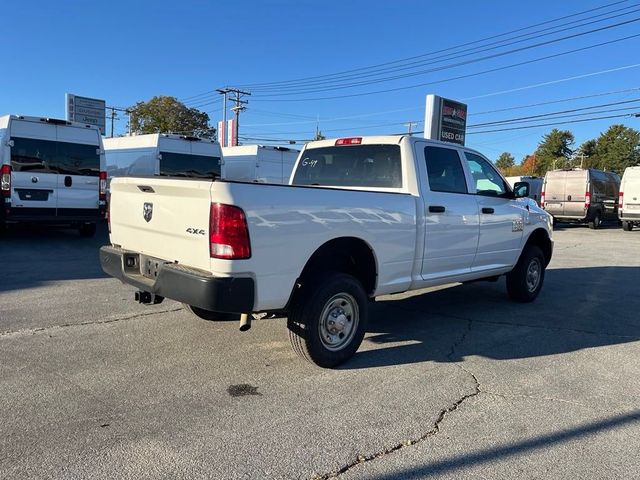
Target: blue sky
130,51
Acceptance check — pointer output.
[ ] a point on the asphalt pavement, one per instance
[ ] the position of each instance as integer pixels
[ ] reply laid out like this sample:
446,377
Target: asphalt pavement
450,383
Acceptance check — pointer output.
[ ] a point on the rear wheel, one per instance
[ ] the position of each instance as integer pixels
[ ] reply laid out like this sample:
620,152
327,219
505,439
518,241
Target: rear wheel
327,321
87,229
210,315
627,226
596,221
525,281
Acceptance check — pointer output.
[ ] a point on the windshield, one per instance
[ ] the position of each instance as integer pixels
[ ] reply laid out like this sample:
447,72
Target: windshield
351,166
188,165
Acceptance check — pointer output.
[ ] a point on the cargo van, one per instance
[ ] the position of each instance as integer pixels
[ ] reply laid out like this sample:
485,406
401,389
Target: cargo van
52,171
629,198
162,154
581,195
535,186
258,163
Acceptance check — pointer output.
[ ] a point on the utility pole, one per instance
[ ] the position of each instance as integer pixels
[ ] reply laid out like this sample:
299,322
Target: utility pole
582,157
113,116
239,107
223,92
410,126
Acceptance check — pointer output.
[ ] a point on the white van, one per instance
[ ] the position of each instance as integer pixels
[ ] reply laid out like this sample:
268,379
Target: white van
162,154
629,198
258,163
535,186
52,171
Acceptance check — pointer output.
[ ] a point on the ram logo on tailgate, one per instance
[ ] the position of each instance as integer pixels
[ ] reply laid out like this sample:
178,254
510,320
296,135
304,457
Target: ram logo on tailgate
147,211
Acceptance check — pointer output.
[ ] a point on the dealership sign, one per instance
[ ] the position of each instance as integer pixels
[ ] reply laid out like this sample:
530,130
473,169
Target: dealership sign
445,120
90,111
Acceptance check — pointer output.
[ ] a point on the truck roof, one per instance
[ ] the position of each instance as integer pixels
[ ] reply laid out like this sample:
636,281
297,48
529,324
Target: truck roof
6,120
149,140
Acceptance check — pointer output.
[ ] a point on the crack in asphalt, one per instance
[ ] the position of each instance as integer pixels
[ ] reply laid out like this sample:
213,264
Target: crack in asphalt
33,331
436,427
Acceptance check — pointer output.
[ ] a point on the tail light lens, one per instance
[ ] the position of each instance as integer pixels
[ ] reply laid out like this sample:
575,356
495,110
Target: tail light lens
542,199
5,180
102,196
228,232
620,198
349,141
587,199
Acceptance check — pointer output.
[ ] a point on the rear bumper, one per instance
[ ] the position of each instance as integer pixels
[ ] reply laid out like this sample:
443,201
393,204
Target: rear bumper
630,217
183,284
52,216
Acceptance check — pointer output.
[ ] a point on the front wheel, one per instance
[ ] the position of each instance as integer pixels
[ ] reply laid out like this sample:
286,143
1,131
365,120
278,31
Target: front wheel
328,320
627,226
524,282
210,315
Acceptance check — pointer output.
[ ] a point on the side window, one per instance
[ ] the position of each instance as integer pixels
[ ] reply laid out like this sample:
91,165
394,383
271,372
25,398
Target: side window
486,178
444,170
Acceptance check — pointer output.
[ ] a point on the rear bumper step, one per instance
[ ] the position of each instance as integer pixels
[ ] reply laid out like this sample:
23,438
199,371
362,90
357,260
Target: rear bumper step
183,284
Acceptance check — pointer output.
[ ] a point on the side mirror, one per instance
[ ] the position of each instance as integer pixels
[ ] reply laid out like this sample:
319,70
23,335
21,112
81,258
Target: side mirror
521,189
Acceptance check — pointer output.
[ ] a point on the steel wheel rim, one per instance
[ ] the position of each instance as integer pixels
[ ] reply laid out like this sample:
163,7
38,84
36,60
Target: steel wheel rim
338,322
534,273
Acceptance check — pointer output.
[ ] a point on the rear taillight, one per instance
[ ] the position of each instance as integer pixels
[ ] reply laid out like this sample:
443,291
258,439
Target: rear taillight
542,199
5,180
228,232
102,196
349,141
587,199
620,198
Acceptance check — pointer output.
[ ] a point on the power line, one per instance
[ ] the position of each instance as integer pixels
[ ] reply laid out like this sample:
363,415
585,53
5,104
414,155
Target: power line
395,62
340,83
360,69
458,77
448,66
553,124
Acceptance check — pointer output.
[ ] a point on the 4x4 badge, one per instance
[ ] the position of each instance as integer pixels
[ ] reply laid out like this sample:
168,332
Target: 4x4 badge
147,211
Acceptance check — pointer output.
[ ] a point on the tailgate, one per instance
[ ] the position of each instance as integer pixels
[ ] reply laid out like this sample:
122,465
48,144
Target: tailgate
163,218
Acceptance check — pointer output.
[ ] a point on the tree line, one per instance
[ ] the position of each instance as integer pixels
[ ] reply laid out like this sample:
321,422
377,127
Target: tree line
613,150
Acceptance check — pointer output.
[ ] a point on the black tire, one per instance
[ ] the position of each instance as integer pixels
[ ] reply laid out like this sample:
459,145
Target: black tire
210,315
595,222
521,286
334,303
87,230
627,226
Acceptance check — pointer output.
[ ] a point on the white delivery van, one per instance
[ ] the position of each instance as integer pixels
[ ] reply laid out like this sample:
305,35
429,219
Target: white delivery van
162,154
535,185
258,163
629,198
52,171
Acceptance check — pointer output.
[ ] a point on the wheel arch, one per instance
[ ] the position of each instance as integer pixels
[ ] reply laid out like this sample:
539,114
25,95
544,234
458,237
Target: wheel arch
540,238
350,255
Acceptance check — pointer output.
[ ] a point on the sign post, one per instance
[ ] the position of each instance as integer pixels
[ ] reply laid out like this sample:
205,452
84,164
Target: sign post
445,120
91,111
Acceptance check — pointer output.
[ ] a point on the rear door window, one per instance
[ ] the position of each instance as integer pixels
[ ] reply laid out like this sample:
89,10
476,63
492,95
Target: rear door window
188,165
351,166
77,159
444,170
47,156
33,155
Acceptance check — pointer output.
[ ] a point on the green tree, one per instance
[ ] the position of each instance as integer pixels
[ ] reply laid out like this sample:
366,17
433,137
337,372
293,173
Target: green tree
505,161
618,148
164,114
554,151
586,154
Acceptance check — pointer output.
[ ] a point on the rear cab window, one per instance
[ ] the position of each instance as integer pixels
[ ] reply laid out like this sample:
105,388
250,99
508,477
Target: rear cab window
189,165
374,166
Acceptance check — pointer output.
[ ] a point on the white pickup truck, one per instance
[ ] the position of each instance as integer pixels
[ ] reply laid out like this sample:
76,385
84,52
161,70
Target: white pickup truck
361,217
